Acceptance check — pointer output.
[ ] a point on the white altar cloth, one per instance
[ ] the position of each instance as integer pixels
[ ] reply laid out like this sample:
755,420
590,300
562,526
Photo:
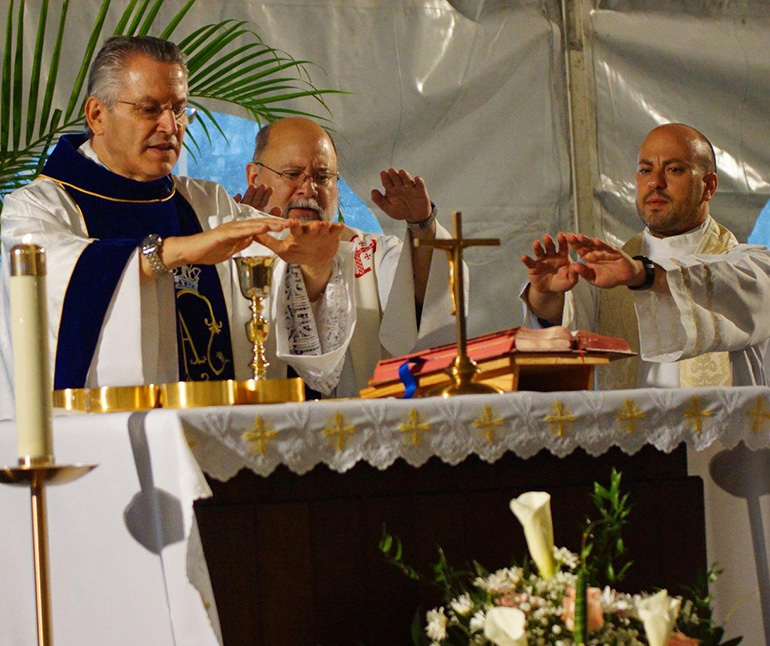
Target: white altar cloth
118,538
121,564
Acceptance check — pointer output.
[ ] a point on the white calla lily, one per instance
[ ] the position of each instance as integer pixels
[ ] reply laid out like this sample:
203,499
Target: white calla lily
533,509
506,627
658,614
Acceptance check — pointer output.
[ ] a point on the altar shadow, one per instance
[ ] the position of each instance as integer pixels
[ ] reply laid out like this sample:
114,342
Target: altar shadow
746,474
154,516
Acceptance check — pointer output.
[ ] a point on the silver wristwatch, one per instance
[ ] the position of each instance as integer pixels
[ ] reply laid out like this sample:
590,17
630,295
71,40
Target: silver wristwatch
150,248
423,224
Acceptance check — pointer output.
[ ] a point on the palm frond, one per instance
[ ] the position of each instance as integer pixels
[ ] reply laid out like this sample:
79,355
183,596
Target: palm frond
228,62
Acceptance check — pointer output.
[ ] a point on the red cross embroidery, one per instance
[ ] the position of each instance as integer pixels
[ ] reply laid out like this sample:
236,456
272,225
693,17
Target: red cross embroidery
364,255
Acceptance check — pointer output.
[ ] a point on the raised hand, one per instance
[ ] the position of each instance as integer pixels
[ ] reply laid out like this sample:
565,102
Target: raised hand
405,197
604,265
550,271
258,197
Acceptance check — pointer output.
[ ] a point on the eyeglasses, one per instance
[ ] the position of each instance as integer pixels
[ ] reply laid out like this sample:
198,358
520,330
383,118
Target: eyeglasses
297,178
183,115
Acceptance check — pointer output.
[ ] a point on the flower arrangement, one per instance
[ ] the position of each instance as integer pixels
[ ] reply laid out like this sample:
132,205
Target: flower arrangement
554,603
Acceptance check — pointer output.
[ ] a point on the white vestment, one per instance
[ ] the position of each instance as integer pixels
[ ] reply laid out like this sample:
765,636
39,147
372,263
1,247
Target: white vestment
386,321
717,304
139,345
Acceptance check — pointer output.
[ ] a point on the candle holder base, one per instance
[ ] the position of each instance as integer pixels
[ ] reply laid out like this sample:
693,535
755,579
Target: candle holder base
50,474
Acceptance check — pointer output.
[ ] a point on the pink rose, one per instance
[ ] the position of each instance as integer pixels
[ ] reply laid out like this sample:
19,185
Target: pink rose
595,614
680,639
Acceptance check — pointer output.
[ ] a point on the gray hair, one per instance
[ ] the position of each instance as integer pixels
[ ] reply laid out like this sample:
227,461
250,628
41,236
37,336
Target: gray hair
106,74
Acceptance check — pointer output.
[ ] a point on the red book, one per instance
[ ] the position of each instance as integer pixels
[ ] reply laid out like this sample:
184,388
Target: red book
555,339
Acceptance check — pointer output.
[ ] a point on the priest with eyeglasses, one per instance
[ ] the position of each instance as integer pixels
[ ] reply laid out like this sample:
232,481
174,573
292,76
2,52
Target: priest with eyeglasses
140,287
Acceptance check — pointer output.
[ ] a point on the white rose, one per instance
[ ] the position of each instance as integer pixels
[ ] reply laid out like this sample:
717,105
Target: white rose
506,627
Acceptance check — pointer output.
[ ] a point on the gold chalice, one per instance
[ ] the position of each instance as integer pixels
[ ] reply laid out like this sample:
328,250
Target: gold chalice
255,274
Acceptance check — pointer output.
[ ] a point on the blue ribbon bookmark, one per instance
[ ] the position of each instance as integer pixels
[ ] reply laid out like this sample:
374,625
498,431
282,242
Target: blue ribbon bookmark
406,376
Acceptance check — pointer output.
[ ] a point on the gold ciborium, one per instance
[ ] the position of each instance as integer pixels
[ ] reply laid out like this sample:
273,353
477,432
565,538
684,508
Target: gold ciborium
255,274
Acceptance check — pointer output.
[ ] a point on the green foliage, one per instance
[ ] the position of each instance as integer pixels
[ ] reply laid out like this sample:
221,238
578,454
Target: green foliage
609,561
696,616
392,550
227,62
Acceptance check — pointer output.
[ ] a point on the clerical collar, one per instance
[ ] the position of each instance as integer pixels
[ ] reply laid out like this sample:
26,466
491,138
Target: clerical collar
87,150
675,246
82,170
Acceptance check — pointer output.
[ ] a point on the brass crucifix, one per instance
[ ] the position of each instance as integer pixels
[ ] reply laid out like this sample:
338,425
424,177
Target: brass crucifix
464,369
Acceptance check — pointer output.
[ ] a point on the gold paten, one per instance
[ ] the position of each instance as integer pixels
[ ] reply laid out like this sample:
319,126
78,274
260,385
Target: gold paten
194,394
182,394
269,391
107,399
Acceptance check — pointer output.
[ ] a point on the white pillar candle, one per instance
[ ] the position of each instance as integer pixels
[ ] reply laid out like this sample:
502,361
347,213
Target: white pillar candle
32,379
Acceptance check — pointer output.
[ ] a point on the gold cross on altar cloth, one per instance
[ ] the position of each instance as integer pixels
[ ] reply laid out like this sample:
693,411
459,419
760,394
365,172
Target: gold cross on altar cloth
629,415
413,425
487,423
697,414
259,436
339,430
561,417
758,414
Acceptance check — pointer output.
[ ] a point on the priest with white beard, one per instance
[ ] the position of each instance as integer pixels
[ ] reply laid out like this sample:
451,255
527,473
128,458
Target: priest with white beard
683,292
402,292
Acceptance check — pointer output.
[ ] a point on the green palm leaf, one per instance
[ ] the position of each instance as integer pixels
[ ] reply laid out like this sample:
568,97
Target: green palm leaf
228,62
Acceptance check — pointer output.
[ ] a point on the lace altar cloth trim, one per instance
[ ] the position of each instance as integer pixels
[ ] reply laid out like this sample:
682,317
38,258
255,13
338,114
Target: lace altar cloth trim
340,433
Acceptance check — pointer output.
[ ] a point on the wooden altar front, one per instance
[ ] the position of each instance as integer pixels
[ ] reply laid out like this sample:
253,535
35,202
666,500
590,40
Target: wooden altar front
294,559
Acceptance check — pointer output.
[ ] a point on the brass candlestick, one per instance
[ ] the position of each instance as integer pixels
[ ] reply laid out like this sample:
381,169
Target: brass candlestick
255,275
37,474
463,370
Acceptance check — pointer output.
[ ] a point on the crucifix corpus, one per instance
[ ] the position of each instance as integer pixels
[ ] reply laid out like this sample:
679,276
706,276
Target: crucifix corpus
464,369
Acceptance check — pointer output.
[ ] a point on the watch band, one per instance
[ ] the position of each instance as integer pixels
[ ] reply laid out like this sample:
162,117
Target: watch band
150,248
423,224
649,274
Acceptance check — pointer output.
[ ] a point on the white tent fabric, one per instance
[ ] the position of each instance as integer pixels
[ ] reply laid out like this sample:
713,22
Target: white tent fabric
471,94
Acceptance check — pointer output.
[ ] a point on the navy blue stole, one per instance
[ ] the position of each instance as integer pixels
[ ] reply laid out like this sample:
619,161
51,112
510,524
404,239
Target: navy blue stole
118,213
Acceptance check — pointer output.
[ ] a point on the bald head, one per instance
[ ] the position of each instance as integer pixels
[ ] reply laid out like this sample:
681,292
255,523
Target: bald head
675,179
290,128
701,150
297,159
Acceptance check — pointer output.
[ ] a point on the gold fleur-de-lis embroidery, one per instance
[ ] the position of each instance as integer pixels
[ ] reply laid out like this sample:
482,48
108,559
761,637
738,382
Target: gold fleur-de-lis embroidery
412,424
629,415
697,414
759,414
339,430
261,433
561,417
487,423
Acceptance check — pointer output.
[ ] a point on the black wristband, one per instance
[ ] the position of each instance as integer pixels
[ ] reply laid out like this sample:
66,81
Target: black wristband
649,274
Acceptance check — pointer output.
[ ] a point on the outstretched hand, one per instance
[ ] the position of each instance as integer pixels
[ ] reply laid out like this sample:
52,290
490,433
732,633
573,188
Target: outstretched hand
550,271
308,243
216,245
405,197
604,265
312,246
